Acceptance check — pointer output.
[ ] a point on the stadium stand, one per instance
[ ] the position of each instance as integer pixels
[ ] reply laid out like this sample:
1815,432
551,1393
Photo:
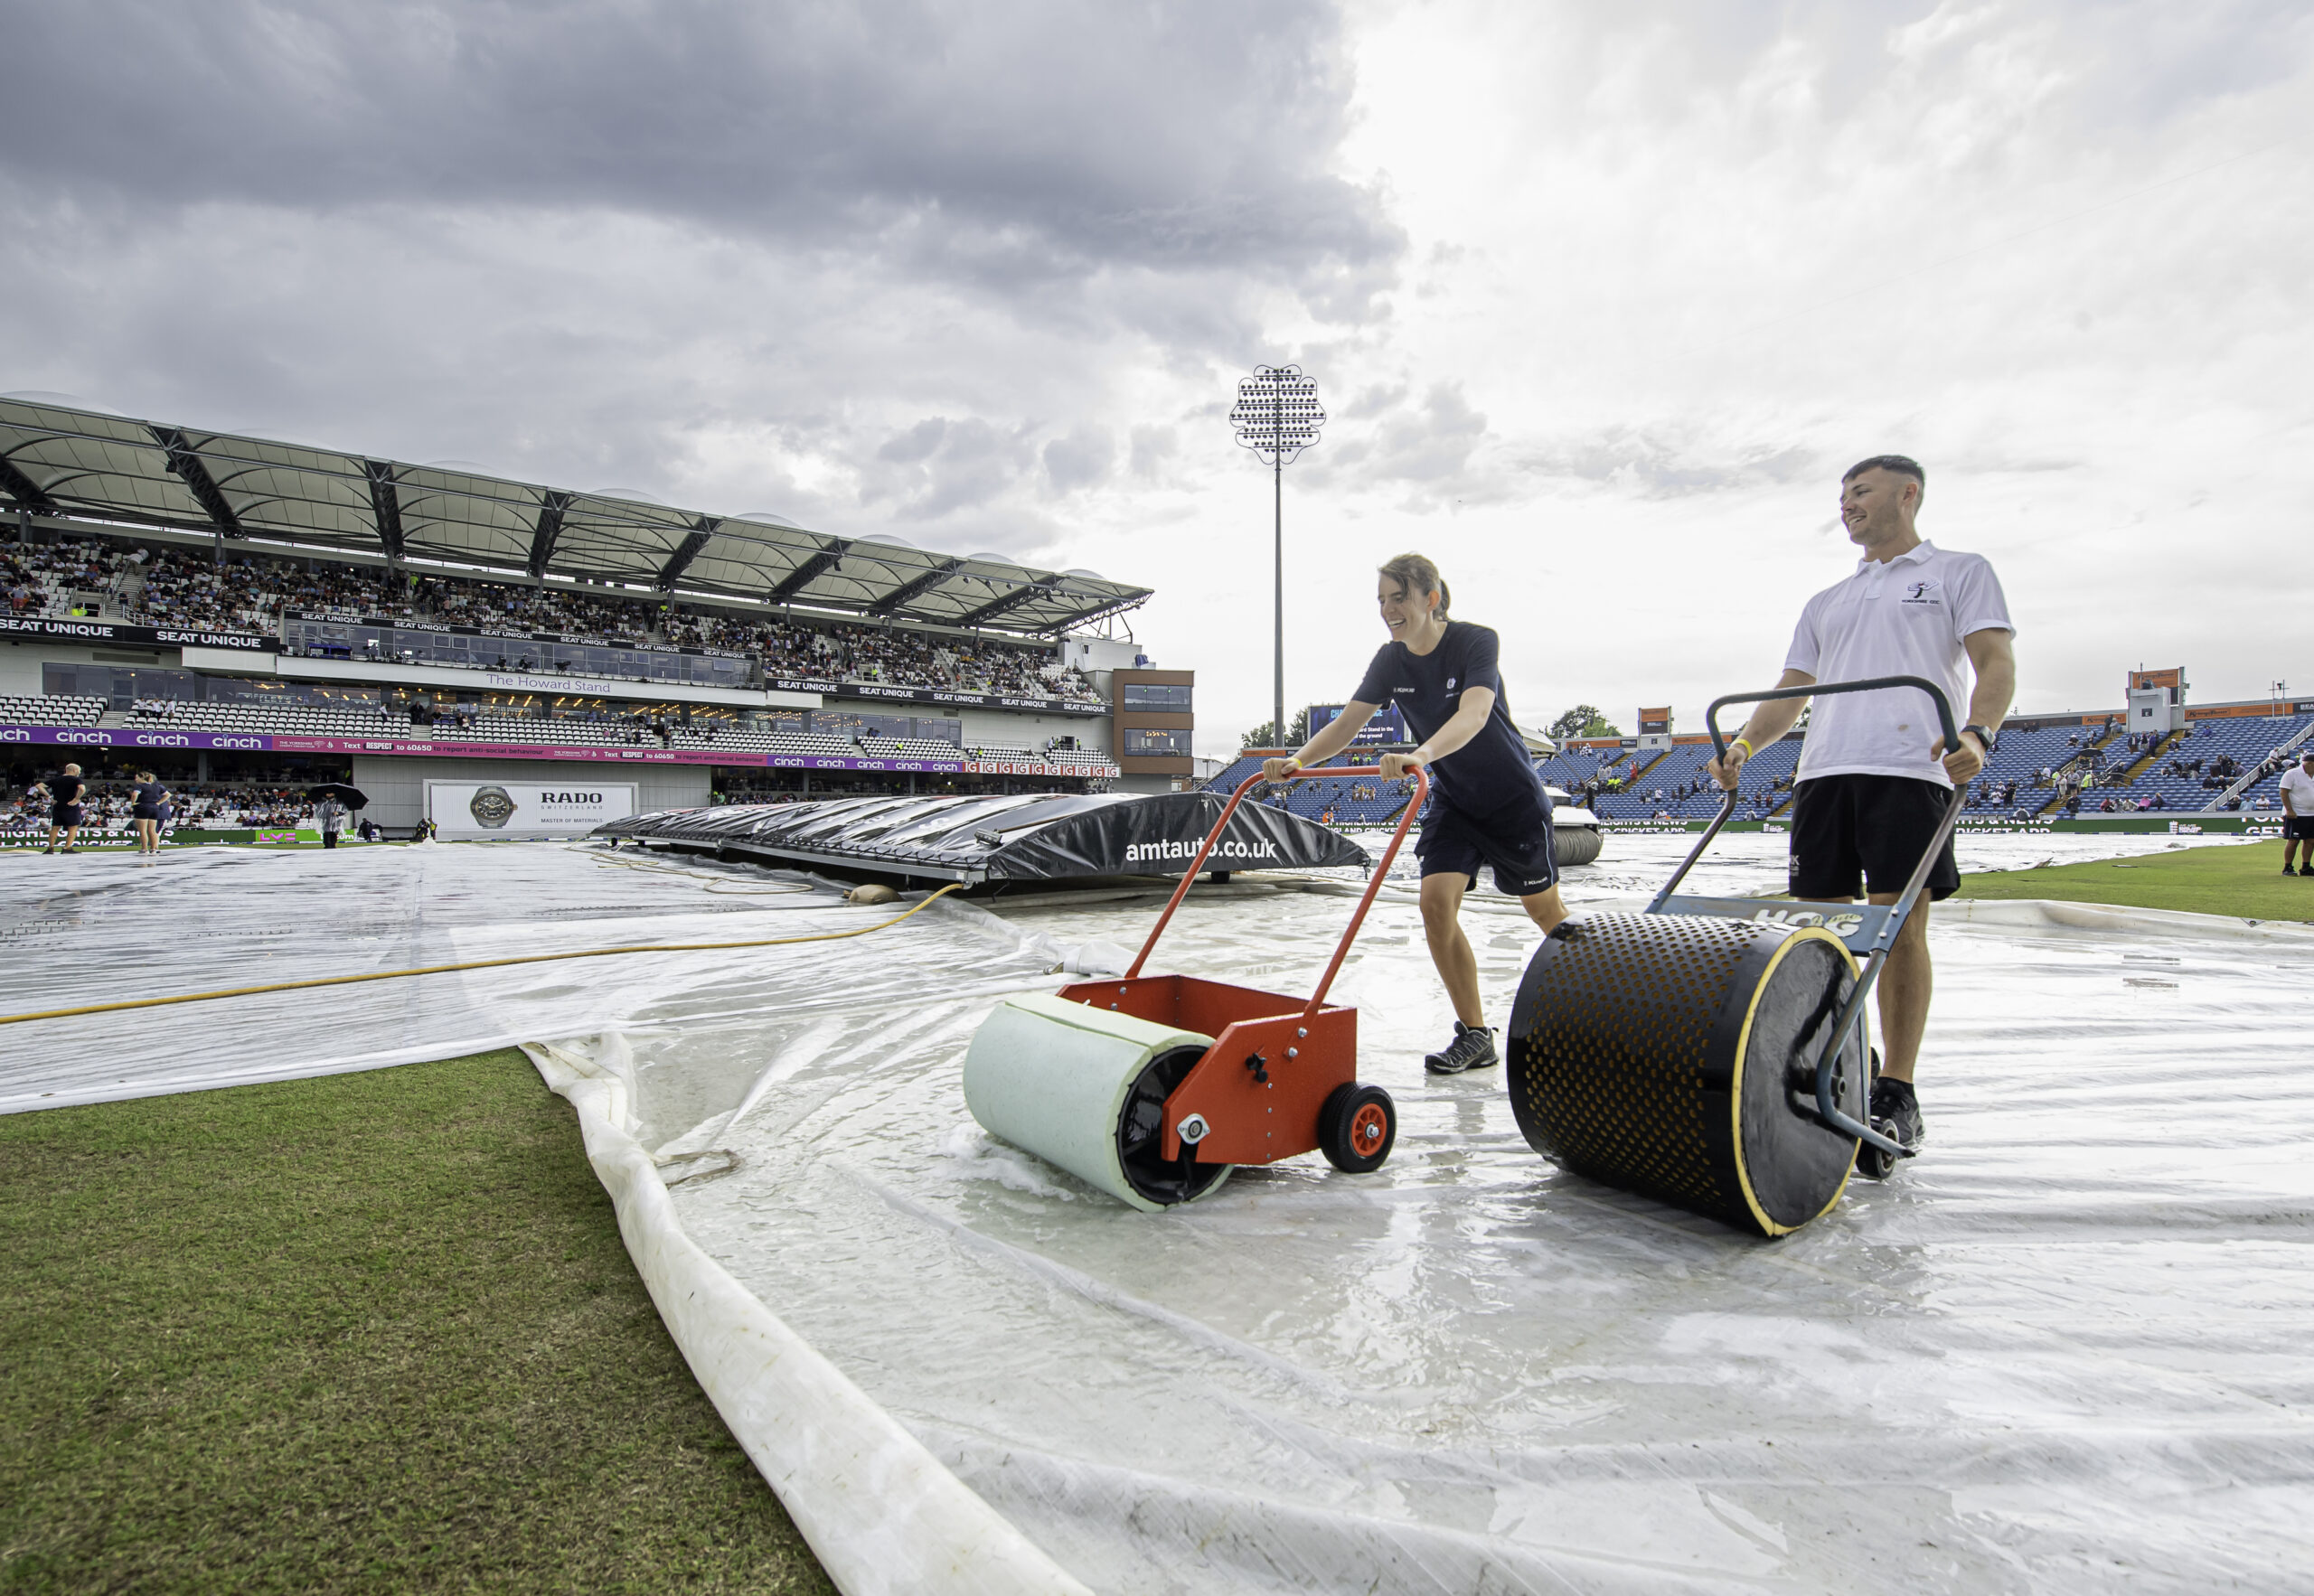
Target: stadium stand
51,711
2193,769
157,585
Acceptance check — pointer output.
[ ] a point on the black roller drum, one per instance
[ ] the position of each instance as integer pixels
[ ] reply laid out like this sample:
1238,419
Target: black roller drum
1675,1055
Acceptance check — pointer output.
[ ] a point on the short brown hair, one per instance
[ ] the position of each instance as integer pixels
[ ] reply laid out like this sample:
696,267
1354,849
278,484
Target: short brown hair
1416,574
1901,465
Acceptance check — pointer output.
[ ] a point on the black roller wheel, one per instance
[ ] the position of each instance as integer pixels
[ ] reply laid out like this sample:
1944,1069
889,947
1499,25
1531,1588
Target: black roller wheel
1357,1128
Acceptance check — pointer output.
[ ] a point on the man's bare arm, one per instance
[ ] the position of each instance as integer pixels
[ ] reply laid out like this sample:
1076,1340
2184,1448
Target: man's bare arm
1993,653
1769,721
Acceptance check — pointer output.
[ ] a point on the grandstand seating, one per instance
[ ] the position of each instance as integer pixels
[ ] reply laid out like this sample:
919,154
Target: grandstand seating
167,585
51,711
2248,739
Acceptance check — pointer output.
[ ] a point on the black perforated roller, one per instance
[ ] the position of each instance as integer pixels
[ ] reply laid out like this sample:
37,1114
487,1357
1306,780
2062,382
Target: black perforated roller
1675,1055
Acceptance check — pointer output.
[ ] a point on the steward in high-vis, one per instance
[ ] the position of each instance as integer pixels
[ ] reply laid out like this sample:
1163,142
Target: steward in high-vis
1487,807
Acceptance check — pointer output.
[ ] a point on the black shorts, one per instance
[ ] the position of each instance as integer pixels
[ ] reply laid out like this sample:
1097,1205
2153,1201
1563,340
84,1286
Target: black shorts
1872,826
67,815
1516,842
144,812
2295,826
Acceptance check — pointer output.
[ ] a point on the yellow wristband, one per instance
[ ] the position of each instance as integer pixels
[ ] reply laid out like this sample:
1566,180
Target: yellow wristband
1749,751
1293,763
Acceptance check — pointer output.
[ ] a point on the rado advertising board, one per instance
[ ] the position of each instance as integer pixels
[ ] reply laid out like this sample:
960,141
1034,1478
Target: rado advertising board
470,810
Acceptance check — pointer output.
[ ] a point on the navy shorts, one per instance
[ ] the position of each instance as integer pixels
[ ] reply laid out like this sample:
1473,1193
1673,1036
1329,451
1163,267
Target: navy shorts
1872,826
2298,826
1516,842
67,815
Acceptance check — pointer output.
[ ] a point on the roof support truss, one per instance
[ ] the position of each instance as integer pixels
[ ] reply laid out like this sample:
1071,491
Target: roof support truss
548,532
186,461
24,490
385,505
898,598
804,574
1027,592
701,531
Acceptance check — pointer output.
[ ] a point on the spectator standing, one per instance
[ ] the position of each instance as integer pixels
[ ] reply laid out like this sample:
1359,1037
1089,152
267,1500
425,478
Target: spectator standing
147,800
2298,821
64,794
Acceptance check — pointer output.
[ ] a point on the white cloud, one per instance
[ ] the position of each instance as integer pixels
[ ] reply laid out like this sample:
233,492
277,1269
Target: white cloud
1601,299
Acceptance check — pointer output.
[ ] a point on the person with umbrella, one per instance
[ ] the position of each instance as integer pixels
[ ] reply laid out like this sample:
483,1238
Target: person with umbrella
336,799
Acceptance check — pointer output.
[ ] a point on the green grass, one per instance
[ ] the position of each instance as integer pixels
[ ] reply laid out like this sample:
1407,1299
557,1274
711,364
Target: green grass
374,1331
2244,880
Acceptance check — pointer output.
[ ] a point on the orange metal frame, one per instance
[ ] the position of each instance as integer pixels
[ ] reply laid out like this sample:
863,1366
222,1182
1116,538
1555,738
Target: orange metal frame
1275,1059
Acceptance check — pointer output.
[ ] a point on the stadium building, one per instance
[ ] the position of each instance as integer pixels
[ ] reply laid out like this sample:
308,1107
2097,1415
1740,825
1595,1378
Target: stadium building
248,617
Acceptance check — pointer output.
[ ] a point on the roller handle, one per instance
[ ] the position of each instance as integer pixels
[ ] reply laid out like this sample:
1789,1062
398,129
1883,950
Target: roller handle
1816,690
1876,957
1373,885
1813,689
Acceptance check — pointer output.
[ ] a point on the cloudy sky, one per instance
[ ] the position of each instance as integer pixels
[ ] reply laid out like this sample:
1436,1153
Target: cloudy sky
1601,297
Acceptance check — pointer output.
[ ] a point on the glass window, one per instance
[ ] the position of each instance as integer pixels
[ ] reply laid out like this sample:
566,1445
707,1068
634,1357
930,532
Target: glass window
1141,743
1172,696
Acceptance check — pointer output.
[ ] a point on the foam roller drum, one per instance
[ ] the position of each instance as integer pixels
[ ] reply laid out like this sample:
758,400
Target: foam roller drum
1085,1088
1675,1055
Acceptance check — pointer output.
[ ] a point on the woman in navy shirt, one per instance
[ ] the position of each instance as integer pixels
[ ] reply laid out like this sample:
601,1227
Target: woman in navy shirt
1487,805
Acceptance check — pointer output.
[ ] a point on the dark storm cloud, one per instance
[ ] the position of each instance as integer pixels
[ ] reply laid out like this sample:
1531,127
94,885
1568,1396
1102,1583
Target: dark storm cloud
999,143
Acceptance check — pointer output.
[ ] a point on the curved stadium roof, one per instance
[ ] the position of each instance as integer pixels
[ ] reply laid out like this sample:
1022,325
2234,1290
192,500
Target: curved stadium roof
59,460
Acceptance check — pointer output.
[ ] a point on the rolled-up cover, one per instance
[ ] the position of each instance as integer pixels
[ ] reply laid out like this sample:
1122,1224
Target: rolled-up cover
1675,1055
1060,1080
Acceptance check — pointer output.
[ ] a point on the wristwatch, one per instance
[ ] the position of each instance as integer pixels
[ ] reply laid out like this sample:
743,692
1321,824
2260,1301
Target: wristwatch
1985,736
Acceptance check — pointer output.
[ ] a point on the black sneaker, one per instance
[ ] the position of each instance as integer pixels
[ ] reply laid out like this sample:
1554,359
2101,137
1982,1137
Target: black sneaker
2288,871
1895,1114
1472,1049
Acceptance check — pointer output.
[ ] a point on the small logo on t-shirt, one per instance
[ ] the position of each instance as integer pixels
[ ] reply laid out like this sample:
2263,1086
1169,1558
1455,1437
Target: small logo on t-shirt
1450,684
1928,592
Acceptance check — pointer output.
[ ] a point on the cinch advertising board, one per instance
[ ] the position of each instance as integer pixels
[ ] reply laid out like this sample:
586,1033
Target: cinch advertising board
465,811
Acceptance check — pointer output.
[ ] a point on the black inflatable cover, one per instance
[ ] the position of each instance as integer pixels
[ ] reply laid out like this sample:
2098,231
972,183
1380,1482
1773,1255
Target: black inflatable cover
1027,836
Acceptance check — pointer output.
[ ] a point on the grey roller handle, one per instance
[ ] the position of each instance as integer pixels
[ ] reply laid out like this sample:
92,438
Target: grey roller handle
1719,749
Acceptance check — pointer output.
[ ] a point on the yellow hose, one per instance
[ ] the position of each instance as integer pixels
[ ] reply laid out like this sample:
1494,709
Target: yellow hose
292,986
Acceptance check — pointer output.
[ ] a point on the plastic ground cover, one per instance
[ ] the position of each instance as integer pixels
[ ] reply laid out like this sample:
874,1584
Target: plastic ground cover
2065,1349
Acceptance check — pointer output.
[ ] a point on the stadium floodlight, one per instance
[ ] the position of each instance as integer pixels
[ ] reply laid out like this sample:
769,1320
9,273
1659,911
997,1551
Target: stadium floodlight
1277,417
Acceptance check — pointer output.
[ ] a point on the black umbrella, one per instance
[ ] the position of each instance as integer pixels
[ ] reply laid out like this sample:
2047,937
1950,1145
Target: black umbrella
351,797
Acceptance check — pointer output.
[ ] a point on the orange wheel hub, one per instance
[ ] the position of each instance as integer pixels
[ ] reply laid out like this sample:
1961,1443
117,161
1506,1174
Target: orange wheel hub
1368,1126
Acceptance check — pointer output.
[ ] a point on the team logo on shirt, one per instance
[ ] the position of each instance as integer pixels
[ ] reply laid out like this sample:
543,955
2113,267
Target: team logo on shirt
1450,684
1927,591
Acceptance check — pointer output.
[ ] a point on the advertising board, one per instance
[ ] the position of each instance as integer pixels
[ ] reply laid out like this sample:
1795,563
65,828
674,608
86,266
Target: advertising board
467,811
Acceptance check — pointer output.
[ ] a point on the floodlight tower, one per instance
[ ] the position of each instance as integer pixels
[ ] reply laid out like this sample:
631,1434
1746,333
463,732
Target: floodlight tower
1277,417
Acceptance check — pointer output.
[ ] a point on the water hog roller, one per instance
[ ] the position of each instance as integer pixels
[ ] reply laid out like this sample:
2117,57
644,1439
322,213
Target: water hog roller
1710,1051
1154,1087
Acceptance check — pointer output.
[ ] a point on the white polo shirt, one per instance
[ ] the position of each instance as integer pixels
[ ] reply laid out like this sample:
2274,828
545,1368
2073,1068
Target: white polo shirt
1905,616
2298,788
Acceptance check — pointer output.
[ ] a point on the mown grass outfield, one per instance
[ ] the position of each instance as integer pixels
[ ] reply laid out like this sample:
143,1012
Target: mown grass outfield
371,1331
2241,879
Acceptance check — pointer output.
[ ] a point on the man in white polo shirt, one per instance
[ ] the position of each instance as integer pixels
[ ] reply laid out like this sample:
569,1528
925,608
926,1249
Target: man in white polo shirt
2298,812
1874,776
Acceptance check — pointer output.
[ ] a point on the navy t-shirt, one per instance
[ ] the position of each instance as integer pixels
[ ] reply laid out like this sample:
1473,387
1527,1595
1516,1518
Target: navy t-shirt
1489,773
65,789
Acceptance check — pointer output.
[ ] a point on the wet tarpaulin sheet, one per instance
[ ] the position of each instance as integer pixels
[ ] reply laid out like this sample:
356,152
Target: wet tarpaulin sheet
2064,1350
106,928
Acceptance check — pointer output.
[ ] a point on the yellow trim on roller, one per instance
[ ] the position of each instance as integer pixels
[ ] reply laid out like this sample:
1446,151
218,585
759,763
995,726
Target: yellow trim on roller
292,986
1736,1082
